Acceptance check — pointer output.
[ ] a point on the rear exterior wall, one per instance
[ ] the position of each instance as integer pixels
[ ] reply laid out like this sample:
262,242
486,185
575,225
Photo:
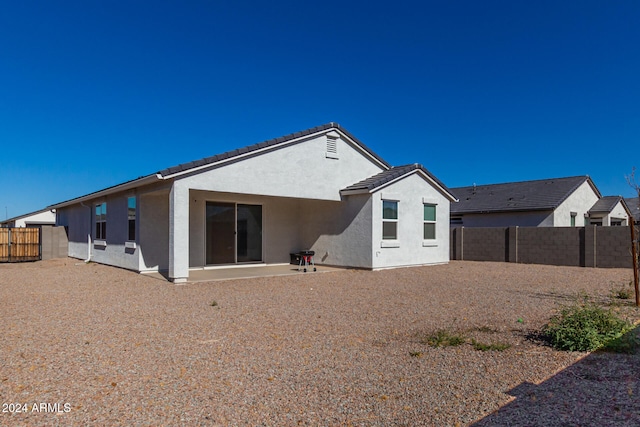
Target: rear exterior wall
410,248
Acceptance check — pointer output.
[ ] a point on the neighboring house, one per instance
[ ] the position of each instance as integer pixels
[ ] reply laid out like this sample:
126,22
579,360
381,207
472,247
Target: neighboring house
557,202
633,203
320,189
609,210
33,219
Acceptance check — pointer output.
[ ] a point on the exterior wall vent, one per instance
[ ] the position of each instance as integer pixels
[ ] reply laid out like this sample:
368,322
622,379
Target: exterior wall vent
332,146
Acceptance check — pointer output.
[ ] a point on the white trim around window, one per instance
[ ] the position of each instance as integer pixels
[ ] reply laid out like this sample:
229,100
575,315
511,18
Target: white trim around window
100,221
429,223
390,220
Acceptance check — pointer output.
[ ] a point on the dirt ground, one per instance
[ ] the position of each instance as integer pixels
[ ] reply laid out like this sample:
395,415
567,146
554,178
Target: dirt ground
87,344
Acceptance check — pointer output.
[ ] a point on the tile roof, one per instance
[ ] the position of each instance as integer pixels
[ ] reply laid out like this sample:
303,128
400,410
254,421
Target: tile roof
545,194
265,144
370,183
605,204
395,172
184,167
634,206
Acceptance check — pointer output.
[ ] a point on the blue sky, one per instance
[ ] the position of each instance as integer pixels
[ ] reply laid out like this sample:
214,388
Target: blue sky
94,93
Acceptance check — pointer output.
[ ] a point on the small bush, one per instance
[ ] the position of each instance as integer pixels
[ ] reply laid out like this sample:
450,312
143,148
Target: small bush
443,338
214,303
585,327
623,292
627,343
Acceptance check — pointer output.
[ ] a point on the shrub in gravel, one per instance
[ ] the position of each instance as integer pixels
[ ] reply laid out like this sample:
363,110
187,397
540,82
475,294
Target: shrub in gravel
622,292
443,338
627,343
584,327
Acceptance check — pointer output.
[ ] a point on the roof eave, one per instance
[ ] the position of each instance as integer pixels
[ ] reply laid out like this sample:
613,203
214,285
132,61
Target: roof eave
491,211
355,191
142,181
426,176
15,218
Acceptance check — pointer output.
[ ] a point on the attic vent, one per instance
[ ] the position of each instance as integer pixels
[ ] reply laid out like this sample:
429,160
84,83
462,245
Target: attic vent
332,146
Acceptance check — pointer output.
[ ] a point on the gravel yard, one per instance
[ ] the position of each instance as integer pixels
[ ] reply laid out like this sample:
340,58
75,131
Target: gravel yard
105,346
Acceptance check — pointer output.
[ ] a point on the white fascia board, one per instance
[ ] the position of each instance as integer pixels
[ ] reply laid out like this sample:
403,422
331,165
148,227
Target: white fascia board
351,192
362,150
242,156
111,190
442,190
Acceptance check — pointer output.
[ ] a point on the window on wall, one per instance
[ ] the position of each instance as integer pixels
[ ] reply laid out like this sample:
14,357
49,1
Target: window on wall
389,220
618,222
131,213
429,225
101,221
573,218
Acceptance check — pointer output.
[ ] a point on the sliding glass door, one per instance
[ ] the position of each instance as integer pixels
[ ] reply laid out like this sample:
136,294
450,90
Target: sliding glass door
233,233
249,236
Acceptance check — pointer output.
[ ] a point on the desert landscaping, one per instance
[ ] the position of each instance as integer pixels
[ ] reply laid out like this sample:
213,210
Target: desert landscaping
99,345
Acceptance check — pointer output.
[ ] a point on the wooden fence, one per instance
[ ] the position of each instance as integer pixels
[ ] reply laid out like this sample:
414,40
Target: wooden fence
19,244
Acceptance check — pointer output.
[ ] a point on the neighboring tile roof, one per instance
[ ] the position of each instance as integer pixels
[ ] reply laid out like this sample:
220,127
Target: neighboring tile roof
545,194
271,142
395,172
605,204
634,206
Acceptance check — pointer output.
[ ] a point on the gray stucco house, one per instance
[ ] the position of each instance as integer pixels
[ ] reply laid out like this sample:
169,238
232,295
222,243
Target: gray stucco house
320,189
557,202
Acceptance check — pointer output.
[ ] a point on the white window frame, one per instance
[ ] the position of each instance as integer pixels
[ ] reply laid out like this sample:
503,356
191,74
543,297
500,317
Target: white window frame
132,217
100,221
434,221
390,220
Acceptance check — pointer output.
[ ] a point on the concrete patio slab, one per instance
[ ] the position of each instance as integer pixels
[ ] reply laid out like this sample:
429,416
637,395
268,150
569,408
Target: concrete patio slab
215,274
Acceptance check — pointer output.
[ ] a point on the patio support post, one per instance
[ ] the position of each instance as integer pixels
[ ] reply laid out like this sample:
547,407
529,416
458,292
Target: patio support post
178,233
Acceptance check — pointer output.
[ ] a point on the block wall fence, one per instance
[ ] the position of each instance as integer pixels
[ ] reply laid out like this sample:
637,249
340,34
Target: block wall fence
591,246
54,241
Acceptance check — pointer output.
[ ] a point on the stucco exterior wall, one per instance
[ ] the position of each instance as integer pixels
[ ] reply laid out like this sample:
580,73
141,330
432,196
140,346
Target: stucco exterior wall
580,201
301,170
114,252
410,248
78,219
338,232
153,231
